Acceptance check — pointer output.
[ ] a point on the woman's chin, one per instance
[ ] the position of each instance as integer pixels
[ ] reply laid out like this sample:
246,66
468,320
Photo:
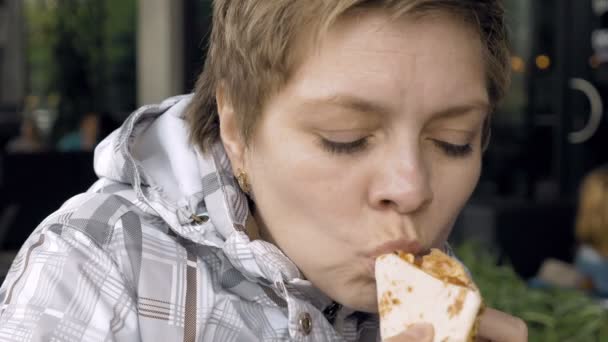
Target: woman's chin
362,299
358,305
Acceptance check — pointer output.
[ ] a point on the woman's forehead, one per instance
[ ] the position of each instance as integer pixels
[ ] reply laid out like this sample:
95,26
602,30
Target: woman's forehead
373,64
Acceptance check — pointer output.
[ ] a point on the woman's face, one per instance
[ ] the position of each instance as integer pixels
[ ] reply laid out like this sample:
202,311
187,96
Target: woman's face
374,145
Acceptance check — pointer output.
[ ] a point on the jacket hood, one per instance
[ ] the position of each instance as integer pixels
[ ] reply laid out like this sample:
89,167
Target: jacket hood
150,152
194,193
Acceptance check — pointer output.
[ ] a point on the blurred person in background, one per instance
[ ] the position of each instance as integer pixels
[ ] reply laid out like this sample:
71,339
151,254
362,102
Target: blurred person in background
592,231
30,139
321,135
589,272
85,138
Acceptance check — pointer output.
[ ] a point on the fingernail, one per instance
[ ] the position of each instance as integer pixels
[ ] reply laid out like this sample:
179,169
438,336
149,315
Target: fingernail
421,330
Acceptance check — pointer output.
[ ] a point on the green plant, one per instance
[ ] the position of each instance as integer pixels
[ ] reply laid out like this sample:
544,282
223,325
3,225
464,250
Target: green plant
558,315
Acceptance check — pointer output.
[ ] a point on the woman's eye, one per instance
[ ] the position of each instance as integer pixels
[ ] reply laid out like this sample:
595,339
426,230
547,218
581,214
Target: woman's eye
453,150
344,147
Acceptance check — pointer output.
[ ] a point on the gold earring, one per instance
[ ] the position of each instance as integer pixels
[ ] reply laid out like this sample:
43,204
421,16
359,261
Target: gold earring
243,180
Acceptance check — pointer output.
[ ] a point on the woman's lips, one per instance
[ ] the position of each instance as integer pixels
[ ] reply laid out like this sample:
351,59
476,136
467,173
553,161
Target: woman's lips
371,267
404,245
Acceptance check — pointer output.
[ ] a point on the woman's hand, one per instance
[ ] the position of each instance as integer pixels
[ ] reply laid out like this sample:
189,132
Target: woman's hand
498,326
494,325
415,333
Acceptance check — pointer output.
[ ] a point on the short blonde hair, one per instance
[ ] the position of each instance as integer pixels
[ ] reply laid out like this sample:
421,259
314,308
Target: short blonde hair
252,41
592,216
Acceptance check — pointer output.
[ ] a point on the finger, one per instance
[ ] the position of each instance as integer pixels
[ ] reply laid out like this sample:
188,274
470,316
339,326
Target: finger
498,326
415,333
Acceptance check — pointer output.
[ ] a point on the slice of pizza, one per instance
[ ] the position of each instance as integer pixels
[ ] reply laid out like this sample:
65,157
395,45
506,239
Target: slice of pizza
433,289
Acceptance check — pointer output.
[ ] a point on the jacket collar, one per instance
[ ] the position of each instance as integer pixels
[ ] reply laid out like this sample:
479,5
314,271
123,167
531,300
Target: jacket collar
194,193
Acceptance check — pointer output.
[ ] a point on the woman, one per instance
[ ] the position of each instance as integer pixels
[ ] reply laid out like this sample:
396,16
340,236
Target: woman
321,135
592,230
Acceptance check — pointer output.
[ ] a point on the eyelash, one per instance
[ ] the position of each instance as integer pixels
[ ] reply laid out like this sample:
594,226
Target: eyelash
451,150
351,147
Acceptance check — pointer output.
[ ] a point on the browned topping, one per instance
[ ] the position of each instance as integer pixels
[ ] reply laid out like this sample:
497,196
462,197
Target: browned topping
386,303
410,289
455,308
455,281
440,266
406,256
445,268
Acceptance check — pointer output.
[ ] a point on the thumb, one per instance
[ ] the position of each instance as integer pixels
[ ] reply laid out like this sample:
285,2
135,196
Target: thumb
415,333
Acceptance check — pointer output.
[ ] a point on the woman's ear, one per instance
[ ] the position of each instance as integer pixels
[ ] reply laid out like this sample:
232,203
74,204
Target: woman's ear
230,133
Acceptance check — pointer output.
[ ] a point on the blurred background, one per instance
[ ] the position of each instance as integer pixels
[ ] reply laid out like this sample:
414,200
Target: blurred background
72,70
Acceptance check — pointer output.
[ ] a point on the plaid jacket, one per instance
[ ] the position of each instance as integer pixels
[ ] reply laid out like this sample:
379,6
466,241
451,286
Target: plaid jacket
157,250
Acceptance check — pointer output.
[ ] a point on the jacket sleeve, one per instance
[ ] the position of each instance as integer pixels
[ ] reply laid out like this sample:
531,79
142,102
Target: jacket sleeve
63,286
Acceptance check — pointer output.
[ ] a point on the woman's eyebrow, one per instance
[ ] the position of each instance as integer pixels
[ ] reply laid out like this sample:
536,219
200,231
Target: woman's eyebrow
349,102
367,106
466,109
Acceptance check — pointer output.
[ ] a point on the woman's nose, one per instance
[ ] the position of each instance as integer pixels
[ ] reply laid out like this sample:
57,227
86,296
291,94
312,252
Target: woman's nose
403,184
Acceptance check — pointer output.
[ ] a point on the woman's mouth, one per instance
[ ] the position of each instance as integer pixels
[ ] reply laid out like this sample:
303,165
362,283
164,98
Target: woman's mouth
404,245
